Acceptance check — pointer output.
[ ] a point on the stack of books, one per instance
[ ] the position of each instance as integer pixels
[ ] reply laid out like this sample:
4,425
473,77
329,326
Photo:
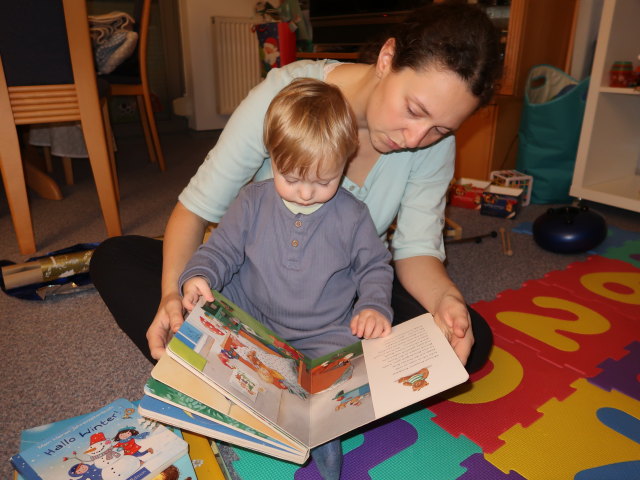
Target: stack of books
226,376
114,442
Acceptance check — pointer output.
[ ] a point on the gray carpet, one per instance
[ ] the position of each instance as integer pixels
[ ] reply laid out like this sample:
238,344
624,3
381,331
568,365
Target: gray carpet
65,356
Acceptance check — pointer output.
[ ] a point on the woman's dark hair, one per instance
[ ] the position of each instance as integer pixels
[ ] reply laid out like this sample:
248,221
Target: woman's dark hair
455,36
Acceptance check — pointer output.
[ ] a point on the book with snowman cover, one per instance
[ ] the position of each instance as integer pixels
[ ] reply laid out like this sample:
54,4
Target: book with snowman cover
112,443
226,369
181,469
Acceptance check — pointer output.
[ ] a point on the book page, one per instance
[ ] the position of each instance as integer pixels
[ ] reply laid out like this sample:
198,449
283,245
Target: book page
413,363
174,375
246,362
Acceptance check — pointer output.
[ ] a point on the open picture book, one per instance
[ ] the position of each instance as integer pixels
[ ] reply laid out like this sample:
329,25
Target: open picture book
228,377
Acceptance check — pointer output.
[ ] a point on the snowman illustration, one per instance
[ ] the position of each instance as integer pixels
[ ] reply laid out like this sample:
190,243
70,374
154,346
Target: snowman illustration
114,465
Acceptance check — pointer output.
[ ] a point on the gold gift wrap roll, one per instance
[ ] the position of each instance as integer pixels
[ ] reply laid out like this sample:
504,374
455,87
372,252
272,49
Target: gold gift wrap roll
46,269
59,266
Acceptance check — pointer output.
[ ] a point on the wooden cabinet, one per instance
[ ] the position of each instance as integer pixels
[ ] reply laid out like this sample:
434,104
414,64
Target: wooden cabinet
607,166
538,32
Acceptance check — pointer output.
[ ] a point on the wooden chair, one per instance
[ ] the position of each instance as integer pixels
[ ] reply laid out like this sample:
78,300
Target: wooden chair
131,79
47,75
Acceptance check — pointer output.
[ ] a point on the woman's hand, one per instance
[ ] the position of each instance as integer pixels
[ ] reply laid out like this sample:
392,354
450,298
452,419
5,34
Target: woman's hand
182,236
452,316
426,279
166,322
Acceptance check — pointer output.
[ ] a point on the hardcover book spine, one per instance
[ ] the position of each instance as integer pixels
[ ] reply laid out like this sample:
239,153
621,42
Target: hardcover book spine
23,468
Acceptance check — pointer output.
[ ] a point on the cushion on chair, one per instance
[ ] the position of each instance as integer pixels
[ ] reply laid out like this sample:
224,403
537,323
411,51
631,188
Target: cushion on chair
128,72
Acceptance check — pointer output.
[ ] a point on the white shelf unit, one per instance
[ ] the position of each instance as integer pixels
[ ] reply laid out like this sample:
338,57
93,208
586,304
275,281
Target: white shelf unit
607,166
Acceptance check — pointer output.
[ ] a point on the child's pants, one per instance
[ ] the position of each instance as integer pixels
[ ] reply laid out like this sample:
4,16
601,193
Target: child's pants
328,458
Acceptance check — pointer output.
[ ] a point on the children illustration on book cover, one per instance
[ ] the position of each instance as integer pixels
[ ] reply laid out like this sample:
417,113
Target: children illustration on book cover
113,443
126,440
106,457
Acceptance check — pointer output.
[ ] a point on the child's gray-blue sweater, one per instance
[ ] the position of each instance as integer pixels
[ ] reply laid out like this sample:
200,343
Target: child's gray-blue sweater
298,274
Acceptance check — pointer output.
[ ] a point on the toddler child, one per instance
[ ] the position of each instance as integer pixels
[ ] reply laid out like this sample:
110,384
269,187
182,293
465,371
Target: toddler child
297,252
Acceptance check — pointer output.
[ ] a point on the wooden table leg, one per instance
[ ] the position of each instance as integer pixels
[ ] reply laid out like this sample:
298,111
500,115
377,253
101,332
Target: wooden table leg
36,177
40,182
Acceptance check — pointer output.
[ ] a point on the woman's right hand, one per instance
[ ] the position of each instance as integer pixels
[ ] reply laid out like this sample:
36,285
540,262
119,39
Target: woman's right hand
166,322
181,238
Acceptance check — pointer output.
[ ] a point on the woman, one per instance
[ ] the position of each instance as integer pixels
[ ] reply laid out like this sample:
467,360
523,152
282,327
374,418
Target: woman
429,75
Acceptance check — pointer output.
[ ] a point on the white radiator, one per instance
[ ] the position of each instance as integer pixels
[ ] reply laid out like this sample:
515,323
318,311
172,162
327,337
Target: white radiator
236,61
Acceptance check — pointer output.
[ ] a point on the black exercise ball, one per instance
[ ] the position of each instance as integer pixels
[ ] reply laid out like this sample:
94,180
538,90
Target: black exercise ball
569,229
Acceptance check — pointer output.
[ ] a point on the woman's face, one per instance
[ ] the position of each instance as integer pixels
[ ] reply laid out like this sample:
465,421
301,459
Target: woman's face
413,109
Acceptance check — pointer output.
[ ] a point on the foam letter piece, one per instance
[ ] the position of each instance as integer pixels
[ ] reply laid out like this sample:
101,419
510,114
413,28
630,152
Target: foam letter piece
626,425
615,238
612,281
570,437
615,471
506,392
622,375
380,444
565,329
436,454
479,469
629,252
361,453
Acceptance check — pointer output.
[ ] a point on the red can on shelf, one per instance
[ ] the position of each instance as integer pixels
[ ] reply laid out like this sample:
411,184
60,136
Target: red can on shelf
621,75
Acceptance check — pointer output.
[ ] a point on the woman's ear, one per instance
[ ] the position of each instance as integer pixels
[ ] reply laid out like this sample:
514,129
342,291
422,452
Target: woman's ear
385,57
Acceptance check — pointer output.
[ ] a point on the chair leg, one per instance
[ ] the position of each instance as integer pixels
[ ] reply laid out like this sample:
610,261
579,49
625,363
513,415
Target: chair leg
68,170
110,144
38,181
48,162
154,130
13,177
144,120
105,185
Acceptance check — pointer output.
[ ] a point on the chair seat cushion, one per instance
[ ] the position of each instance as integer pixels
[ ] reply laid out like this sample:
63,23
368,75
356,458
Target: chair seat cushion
128,72
121,79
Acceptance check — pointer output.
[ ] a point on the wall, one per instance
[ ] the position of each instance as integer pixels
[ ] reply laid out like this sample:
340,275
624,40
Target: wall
199,103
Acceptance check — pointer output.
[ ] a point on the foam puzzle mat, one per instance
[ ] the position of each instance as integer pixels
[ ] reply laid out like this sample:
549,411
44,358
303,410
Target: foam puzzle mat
558,399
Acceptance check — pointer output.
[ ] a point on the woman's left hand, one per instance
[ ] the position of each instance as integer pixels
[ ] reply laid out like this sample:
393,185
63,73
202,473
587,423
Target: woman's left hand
452,316
426,279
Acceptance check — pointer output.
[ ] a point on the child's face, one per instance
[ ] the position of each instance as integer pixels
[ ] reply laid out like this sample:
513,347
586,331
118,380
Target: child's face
316,188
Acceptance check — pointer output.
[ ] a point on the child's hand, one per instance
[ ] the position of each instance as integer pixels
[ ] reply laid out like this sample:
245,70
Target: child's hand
193,289
370,323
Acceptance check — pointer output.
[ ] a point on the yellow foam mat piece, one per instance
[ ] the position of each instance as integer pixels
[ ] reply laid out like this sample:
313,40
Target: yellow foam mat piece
569,437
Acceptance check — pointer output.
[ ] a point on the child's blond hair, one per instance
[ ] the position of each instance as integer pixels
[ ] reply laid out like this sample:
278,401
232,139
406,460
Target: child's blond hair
309,125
